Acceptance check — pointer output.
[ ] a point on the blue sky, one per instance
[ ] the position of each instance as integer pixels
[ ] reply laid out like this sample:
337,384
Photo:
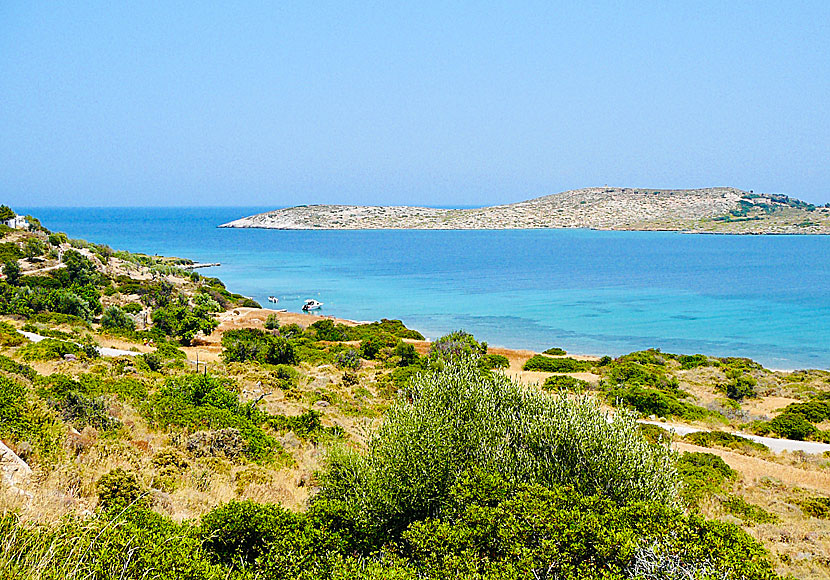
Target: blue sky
444,103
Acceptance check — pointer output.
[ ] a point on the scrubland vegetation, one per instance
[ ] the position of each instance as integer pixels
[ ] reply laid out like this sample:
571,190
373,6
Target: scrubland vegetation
331,450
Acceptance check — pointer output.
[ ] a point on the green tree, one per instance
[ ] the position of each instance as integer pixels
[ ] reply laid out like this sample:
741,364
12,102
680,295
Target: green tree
11,270
178,319
80,269
6,213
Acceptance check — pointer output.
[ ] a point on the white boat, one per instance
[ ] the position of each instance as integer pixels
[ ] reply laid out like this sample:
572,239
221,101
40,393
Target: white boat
311,304
273,299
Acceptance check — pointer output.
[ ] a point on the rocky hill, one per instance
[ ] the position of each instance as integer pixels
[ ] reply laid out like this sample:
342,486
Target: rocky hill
717,210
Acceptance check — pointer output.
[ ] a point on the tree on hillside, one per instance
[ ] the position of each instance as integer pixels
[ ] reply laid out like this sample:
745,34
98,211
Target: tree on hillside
6,213
11,270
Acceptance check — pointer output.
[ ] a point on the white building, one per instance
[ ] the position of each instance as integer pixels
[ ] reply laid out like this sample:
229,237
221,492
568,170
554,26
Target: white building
18,222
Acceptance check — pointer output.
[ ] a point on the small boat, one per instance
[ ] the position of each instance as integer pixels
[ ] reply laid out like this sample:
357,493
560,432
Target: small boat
273,299
311,304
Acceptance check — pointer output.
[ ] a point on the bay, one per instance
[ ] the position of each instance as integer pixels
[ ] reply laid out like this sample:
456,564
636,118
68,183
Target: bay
765,297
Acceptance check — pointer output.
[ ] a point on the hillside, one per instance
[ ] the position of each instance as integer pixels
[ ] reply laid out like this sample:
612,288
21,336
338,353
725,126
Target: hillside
165,427
716,210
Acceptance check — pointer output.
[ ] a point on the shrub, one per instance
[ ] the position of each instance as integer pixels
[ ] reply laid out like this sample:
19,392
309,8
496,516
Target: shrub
816,507
203,403
348,359
457,344
241,532
247,344
556,351
556,365
789,426
9,335
25,419
703,474
693,361
272,322
749,513
11,270
11,366
740,385
494,361
118,489
291,330
565,383
406,353
116,318
723,439
655,433
179,320
459,419
655,402
812,411
371,346
132,308
559,533
49,349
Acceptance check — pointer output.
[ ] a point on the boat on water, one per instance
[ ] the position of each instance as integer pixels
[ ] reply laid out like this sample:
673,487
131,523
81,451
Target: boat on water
311,304
273,299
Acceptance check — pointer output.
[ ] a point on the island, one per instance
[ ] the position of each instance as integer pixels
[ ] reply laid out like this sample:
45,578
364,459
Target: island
723,210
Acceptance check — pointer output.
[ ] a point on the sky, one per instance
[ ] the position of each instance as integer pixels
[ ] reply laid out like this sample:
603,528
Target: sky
418,103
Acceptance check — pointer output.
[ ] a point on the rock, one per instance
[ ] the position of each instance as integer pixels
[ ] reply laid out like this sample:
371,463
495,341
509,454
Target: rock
290,440
322,403
69,357
15,471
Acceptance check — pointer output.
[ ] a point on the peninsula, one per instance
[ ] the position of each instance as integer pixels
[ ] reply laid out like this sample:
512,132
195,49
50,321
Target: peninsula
723,210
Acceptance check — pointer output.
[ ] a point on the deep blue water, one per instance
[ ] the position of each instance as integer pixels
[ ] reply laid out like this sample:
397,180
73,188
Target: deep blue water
766,297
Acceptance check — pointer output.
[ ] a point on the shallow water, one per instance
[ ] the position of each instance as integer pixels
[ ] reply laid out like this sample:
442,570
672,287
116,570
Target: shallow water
766,297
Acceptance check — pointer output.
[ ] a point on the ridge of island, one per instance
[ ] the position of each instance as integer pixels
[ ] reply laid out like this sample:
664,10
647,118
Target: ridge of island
724,210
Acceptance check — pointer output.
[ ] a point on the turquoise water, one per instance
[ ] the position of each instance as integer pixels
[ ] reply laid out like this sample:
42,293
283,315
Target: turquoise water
766,297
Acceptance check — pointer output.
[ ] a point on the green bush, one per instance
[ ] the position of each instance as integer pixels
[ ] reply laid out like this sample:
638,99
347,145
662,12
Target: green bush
198,402
749,513
24,418
11,366
406,353
559,533
135,544
459,419
655,402
693,361
182,321
634,374
556,365
816,507
556,351
119,489
789,426
272,322
565,383
371,346
494,361
813,411
723,439
132,308
116,318
457,344
703,474
239,533
247,344
49,349
348,359
9,335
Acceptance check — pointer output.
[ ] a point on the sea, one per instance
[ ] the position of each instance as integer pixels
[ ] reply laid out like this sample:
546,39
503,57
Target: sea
589,292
